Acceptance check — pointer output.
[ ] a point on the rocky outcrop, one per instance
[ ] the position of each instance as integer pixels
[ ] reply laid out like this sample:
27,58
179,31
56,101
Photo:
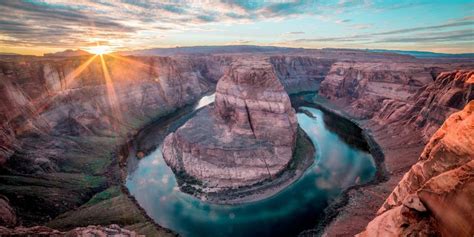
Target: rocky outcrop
435,195
112,231
246,137
7,214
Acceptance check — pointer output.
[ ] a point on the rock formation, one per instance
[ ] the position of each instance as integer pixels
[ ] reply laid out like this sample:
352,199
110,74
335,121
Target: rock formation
246,137
112,231
435,196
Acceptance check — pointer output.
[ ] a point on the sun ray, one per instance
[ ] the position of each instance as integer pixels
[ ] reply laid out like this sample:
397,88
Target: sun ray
77,71
110,90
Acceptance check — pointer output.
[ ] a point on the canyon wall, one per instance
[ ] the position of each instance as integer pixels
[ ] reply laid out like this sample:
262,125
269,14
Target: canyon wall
412,94
435,196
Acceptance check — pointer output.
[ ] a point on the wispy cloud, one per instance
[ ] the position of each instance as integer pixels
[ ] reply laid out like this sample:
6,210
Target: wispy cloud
431,33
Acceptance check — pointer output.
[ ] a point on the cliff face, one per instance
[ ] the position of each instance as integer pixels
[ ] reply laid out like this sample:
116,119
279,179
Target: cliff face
398,93
300,73
248,136
401,126
366,85
435,195
67,98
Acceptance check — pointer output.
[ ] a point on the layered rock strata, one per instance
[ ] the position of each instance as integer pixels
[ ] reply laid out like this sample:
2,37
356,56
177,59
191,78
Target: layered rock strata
246,137
435,195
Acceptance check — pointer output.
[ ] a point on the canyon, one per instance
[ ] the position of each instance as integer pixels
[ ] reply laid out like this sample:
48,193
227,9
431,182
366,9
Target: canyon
64,120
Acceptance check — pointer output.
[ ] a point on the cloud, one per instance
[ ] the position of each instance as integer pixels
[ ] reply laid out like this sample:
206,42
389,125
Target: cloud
123,23
295,33
342,21
434,27
462,35
432,33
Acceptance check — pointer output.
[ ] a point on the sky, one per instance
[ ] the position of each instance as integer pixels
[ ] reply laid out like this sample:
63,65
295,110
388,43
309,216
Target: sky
45,26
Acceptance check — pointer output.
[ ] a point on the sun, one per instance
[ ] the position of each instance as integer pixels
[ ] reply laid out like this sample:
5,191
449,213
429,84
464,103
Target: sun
99,50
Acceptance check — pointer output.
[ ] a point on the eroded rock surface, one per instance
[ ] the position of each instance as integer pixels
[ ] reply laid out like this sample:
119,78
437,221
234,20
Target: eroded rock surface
246,137
438,190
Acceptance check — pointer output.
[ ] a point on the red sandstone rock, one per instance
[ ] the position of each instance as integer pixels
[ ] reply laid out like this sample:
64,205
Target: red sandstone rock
443,182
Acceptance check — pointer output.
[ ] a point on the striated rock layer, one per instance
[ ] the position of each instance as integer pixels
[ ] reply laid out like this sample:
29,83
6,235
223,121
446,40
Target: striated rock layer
246,137
435,196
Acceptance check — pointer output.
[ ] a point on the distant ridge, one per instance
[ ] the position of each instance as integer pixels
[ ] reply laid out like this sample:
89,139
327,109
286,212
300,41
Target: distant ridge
209,50
68,53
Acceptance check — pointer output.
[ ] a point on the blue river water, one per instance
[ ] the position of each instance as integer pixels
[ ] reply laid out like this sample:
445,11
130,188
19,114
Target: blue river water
337,166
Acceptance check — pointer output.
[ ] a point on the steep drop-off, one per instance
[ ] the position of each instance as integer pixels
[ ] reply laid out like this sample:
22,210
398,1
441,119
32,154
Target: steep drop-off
400,127
435,196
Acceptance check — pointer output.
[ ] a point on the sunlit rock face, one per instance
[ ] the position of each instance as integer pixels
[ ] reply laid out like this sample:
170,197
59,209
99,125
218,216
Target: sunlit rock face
246,137
435,195
72,97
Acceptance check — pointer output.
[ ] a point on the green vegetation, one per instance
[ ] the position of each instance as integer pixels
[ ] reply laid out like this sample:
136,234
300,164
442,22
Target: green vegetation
109,193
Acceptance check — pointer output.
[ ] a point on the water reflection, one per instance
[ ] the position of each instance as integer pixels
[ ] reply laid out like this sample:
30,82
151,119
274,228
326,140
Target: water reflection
294,209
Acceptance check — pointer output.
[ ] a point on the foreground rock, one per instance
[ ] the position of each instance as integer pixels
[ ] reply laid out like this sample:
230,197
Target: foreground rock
248,135
7,214
112,231
435,196
400,125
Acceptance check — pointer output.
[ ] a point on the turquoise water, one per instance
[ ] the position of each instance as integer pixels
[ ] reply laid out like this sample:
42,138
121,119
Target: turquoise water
338,165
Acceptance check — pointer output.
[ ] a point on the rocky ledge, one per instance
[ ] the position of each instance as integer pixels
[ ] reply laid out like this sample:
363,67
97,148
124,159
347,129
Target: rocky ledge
110,231
247,137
